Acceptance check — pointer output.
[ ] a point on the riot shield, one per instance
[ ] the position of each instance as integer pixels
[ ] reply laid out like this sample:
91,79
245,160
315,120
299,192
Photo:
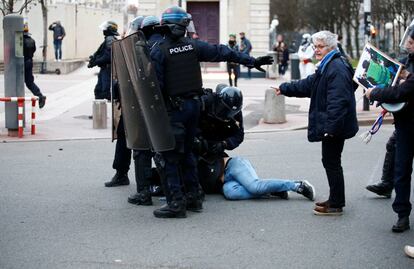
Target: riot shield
135,129
116,102
145,84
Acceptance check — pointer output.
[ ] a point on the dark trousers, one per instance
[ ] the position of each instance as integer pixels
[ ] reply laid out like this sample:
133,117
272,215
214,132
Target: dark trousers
282,68
29,79
57,44
180,163
103,87
388,168
235,69
143,171
403,169
122,158
331,159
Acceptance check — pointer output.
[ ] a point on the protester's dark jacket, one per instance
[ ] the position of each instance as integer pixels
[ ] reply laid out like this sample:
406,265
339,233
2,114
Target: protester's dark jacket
408,62
397,94
205,53
29,47
332,108
58,31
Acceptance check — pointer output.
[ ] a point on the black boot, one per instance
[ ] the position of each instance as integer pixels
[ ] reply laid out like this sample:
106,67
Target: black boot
194,202
173,209
382,189
140,198
42,101
402,225
119,179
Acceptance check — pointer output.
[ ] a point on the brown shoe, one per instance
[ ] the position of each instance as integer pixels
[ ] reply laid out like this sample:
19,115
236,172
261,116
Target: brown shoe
327,211
326,203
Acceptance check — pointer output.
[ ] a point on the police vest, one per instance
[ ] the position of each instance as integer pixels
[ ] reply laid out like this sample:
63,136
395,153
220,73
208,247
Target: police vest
182,72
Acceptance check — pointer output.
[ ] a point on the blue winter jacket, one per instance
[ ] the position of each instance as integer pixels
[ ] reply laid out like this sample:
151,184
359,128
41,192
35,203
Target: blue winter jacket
332,108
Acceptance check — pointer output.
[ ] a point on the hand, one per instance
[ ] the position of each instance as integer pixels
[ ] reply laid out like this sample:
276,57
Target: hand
277,90
218,148
404,74
200,145
263,60
368,92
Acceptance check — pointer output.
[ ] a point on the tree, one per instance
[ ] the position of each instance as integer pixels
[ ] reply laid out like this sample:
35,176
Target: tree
8,6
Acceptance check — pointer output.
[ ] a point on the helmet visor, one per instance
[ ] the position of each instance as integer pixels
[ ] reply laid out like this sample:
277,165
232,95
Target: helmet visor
224,112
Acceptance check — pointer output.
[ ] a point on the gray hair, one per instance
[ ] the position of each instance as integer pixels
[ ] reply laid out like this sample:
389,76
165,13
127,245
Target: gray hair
326,37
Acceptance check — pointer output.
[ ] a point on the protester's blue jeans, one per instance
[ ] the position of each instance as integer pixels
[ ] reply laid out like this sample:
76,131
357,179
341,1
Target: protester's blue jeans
57,43
241,181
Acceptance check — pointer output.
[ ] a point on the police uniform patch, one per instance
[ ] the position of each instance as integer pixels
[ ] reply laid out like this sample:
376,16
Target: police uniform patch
180,49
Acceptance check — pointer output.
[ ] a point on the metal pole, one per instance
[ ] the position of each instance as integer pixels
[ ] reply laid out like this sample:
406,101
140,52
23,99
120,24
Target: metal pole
367,21
13,67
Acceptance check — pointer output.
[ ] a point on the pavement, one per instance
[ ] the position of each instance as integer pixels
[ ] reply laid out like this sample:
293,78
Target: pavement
69,105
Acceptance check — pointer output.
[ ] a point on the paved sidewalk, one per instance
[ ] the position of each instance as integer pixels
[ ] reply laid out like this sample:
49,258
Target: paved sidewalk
69,105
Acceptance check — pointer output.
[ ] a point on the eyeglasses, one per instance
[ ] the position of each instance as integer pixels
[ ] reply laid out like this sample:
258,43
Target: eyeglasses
319,47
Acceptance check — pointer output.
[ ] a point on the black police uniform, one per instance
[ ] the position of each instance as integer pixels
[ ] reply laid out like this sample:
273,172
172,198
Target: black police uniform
404,125
386,185
177,63
29,48
102,58
214,137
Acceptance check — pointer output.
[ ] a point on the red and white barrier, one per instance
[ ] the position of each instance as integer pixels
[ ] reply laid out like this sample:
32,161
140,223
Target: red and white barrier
20,104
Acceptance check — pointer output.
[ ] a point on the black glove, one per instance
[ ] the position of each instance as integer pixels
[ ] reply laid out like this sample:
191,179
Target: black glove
263,60
91,62
217,148
200,146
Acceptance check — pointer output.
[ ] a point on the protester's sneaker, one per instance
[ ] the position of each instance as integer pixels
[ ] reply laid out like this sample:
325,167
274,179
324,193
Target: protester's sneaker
402,225
380,189
140,198
306,189
409,251
119,179
327,211
282,194
42,101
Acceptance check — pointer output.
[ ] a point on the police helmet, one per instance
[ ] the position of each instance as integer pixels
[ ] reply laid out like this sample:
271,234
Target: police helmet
109,28
229,102
175,15
150,21
135,25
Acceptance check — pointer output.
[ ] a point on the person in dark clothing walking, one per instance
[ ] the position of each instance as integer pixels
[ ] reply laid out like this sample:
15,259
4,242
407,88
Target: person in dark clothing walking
233,69
404,151
386,185
332,113
102,58
58,35
29,48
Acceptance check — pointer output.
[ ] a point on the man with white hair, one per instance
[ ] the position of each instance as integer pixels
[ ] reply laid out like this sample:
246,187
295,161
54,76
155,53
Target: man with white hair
305,54
332,113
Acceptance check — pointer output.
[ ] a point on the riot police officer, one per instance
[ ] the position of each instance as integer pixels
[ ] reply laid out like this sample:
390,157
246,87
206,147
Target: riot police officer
177,63
142,158
220,128
122,158
102,58
29,48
